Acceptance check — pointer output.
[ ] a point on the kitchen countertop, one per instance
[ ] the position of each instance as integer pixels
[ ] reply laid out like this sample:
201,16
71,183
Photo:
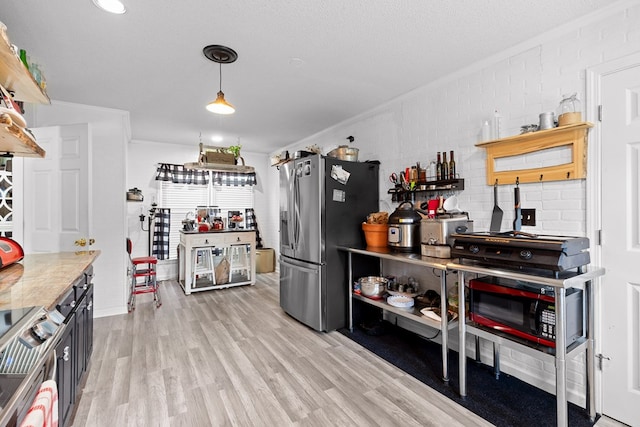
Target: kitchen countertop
42,279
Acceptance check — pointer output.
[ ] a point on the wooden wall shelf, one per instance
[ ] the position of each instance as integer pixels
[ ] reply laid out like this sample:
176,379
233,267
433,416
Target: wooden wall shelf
219,167
573,136
16,140
15,77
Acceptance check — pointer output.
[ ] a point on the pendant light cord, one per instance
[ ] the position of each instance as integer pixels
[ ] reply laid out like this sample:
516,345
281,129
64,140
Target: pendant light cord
220,76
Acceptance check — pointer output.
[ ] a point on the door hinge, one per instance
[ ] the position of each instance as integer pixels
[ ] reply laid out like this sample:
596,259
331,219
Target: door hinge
600,112
599,237
600,356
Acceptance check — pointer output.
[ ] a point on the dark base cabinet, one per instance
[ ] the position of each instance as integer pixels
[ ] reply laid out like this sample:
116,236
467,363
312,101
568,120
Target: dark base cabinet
84,333
64,373
73,352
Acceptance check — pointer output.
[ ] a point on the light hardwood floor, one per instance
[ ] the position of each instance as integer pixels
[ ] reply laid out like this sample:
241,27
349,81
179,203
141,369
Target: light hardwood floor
233,358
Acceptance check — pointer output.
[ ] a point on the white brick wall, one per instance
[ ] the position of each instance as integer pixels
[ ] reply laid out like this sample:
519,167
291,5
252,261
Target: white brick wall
447,115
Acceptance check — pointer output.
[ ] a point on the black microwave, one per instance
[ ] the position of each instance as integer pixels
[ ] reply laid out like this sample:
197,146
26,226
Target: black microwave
524,309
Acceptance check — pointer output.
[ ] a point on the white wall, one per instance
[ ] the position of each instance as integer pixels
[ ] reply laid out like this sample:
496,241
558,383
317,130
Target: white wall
144,156
109,134
447,115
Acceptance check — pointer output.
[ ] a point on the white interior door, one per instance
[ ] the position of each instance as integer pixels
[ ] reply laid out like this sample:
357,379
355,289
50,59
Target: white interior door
56,191
620,139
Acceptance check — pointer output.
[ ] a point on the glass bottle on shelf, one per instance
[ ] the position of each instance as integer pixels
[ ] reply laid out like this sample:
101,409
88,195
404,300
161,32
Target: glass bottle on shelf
439,168
452,166
445,166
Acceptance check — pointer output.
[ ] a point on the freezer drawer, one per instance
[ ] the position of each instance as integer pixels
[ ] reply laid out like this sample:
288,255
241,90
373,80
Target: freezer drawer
301,292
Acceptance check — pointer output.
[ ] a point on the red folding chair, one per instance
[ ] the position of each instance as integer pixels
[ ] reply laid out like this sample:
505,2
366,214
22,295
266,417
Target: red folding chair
142,273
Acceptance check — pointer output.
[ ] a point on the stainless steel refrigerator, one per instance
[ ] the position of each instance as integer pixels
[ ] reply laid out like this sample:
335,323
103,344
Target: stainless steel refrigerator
323,202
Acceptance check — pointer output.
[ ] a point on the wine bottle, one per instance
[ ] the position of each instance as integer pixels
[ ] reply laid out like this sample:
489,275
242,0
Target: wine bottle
452,166
439,168
445,166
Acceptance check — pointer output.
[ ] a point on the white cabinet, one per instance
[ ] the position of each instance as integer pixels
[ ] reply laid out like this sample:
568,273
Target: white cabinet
216,260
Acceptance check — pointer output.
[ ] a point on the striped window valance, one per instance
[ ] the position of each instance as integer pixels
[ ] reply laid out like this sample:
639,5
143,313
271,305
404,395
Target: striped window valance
234,179
179,175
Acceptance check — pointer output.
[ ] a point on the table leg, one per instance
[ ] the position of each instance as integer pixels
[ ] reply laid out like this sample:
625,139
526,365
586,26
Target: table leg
591,367
350,290
444,325
496,360
462,331
561,363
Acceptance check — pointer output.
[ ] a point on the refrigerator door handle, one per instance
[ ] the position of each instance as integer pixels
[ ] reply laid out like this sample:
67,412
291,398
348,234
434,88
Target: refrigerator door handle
296,209
292,203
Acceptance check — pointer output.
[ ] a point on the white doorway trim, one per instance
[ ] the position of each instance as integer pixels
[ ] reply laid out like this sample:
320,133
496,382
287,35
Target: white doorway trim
593,100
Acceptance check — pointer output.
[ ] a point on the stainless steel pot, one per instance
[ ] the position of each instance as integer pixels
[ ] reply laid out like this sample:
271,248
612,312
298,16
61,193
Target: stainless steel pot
344,152
404,228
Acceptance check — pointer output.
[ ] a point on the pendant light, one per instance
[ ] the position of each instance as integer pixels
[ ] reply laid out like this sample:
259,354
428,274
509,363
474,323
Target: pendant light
221,55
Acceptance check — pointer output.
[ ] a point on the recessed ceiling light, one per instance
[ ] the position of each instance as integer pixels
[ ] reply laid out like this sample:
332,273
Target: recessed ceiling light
112,6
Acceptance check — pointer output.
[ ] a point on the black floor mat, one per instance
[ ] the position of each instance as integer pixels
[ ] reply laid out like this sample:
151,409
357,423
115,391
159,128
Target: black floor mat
506,401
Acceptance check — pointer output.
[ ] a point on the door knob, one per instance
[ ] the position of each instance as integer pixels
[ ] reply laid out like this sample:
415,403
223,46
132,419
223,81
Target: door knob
81,242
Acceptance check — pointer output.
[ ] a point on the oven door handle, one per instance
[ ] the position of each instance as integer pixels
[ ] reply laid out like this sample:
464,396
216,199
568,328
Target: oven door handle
52,366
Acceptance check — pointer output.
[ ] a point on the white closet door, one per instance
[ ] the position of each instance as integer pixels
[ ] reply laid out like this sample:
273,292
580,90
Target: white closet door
56,191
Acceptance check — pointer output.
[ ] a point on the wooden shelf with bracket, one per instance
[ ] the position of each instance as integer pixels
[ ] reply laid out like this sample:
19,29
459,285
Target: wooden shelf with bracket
15,77
16,140
573,136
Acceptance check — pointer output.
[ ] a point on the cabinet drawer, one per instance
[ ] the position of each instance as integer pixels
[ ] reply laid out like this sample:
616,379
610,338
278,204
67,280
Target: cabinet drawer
205,240
239,238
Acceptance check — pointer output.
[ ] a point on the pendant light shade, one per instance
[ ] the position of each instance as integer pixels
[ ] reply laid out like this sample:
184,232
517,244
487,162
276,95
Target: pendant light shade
220,105
221,55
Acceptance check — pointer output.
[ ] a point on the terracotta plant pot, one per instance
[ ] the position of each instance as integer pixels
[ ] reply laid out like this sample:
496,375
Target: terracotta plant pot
375,234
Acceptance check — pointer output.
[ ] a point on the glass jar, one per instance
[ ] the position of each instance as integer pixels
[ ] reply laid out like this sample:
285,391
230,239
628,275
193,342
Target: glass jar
569,110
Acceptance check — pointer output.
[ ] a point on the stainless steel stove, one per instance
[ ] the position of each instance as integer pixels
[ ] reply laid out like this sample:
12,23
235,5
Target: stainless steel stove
27,357
522,250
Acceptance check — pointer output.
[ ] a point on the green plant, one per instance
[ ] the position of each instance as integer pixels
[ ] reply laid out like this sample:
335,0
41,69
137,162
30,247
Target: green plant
235,150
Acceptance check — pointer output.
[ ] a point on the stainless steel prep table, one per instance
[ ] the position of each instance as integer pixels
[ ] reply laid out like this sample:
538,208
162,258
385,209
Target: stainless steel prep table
409,258
566,280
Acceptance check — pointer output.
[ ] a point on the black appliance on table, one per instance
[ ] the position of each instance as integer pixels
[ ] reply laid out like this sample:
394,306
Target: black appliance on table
516,249
524,309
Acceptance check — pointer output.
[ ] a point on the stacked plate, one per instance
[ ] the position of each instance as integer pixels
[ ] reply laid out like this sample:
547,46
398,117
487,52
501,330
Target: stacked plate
400,301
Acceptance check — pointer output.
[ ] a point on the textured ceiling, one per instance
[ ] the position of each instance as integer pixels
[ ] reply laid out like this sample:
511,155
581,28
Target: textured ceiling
303,65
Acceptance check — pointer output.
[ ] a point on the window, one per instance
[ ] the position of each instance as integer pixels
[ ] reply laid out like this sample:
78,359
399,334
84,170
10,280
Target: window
184,198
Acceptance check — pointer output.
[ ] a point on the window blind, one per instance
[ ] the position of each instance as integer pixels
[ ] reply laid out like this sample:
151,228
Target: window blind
184,198
181,199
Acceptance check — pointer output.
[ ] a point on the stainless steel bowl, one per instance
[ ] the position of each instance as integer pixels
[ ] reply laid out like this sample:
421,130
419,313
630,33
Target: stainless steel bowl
373,286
